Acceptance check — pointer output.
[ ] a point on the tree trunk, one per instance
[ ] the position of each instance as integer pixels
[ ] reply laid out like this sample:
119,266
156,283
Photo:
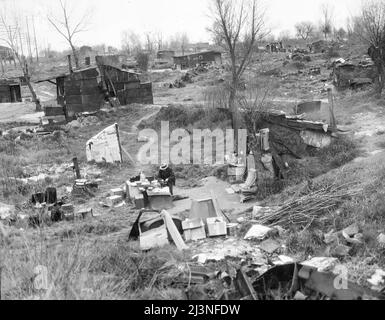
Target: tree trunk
34,96
234,111
380,80
76,58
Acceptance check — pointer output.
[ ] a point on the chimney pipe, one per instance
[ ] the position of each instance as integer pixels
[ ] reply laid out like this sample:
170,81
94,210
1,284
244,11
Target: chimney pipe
69,63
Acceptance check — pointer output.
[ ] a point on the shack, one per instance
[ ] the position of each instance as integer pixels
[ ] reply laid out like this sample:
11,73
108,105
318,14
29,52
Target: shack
10,90
349,74
165,54
281,138
195,59
87,89
319,46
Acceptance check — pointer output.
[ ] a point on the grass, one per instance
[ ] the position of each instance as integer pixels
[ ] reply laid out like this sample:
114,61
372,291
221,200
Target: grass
338,153
86,268
189,118
367,209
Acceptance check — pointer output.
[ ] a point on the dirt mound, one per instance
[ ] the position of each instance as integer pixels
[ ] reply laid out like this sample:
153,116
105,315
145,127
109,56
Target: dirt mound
187,117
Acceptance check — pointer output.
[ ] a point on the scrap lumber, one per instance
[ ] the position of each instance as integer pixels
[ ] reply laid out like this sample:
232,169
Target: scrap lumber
174,233
299,125
304,210
244,286
216,207
280,164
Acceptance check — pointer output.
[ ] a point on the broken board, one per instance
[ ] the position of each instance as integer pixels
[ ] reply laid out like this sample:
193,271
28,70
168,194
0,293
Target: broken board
204,208
105,146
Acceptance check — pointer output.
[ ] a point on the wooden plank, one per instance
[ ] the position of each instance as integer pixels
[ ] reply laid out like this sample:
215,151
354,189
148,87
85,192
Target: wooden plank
89,73
92,99
72,90
53,111
73,99
132,85
89,83
71,109
90,91
280,164
57,118
298,125
172,229
119,86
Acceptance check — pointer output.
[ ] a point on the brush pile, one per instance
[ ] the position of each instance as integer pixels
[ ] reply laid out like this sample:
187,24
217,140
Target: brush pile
304,210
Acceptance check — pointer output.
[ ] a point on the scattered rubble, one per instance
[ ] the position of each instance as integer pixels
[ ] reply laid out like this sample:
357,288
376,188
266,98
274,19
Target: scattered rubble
6,211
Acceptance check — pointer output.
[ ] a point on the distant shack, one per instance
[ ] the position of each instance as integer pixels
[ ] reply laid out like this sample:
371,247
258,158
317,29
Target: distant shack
87,89
10,91
195,59
353,75
165,54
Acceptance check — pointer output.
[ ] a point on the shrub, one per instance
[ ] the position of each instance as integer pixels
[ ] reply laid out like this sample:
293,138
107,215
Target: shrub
338,153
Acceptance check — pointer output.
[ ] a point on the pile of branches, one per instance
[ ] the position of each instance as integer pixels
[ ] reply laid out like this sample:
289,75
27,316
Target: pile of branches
304,210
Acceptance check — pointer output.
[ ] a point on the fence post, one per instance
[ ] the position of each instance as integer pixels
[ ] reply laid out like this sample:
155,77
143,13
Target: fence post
333,123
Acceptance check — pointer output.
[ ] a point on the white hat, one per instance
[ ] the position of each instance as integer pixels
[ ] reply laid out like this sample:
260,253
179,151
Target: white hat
164,166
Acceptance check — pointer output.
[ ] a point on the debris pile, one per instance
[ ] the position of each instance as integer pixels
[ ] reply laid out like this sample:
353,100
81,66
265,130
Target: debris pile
304,210
353,74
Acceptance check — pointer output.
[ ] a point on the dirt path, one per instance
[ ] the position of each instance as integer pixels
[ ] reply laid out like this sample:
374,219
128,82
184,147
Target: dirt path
19,112
134,127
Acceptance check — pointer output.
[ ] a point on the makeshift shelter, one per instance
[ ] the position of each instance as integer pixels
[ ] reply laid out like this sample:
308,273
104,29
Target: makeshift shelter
319,46
10,91
283,135
352,74
195,59
165,54
105,146
86,90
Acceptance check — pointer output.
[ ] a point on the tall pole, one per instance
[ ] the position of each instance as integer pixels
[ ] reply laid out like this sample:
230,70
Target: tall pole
34,35
332,120
76,167
29,41
21,45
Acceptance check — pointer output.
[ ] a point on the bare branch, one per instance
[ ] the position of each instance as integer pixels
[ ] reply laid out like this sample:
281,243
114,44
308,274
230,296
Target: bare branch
58,29
68,30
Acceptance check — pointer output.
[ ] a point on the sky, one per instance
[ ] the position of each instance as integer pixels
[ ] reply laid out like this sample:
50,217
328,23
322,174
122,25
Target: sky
109,18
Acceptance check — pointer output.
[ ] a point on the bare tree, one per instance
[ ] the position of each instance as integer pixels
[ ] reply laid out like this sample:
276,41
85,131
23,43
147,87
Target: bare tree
370,28
180,42
149,42
304,30
10,33
131,42
238,27
184,42
69,29
326,25
340,34
284,35
159,40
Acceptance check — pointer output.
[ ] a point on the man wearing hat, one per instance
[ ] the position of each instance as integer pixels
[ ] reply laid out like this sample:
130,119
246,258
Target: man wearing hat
167,177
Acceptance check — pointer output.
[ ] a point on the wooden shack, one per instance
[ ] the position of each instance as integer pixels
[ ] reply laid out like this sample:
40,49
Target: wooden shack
10,91
126,86
195,59
86,90
345,75
165,54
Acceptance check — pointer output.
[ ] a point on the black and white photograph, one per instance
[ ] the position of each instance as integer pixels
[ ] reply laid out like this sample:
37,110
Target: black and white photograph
192,155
